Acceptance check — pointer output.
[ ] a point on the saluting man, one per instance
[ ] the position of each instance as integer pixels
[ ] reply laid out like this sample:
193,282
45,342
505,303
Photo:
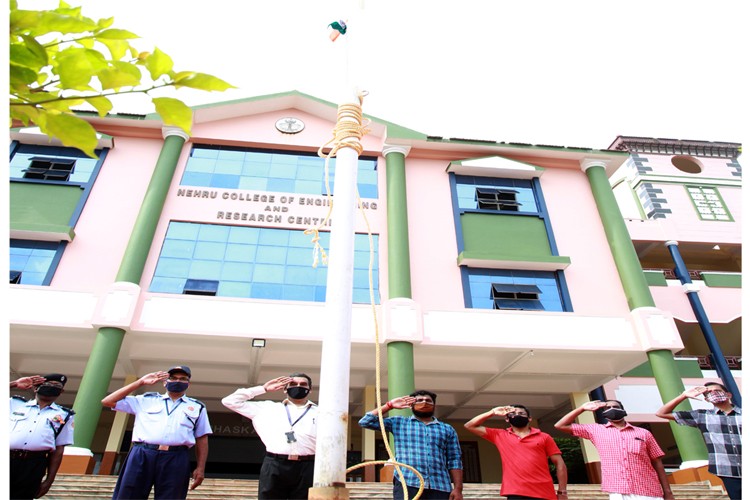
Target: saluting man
39,431
166,427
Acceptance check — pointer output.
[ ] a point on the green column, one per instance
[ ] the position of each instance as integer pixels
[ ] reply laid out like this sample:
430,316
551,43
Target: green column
400,354
104,353
668,380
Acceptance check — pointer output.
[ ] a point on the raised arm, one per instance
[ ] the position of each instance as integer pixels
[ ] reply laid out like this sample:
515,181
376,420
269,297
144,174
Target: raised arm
666,410
569,419
27,382
150,379
475,424
398,404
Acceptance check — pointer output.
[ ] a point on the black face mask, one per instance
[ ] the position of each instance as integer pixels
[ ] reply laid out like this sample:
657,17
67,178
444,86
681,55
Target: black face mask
519,421
49,391
614,414
177,386
298,392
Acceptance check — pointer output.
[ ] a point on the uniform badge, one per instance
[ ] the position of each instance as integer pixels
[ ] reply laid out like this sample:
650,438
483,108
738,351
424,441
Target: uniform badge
191,408
58,419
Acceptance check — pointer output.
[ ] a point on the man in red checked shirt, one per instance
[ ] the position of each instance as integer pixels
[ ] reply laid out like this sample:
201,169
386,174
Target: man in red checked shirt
631,458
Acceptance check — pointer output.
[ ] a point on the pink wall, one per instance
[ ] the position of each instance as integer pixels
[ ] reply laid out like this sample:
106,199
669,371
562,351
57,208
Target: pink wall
92,259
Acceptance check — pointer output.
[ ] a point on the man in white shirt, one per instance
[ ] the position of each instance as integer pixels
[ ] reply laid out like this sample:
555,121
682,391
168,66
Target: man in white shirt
288,431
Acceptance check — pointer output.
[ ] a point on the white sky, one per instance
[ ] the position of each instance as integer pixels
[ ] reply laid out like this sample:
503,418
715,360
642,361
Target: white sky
568,73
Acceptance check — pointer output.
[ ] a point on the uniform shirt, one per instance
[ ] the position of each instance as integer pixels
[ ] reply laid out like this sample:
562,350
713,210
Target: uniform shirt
524,459
723,436
626,455
271,421
159,421
35,429
430,448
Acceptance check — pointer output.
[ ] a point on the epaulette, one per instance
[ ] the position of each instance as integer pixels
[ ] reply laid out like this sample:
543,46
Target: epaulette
203,405
151,395
69,410
25,400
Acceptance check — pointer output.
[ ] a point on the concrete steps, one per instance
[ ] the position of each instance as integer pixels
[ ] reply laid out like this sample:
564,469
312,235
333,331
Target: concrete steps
72,486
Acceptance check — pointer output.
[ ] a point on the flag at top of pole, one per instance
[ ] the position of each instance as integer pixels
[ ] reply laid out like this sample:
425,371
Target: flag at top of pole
337,28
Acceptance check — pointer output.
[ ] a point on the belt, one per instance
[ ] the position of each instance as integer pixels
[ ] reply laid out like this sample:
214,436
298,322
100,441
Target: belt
24,454
161,447
293,458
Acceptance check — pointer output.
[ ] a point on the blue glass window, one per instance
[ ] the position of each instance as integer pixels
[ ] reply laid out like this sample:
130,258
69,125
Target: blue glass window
242,168
253,262
45,163
513,289
496,195
36,261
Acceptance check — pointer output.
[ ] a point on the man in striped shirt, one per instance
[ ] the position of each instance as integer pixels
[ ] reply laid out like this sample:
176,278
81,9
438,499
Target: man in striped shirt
721,427
425,443
630,456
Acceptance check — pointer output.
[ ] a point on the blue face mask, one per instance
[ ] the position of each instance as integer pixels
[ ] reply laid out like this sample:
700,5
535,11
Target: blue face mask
177,387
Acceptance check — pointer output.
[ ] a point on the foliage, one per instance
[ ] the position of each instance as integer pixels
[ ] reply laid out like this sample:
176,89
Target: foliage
572,455
60,60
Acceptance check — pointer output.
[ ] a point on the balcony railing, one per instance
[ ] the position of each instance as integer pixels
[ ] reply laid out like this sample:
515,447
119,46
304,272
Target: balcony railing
706,362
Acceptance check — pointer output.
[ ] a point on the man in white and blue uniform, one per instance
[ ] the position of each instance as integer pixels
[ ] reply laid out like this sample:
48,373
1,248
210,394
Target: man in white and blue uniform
166,427
39,431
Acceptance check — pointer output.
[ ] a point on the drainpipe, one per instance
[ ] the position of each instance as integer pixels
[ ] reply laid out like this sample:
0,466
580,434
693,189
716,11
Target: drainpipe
106,349
668,380
691,290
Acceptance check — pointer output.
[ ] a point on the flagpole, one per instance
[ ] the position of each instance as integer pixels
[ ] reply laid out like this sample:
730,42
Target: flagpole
329,480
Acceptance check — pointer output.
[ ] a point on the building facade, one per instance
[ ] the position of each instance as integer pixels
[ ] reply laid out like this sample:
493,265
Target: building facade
500,273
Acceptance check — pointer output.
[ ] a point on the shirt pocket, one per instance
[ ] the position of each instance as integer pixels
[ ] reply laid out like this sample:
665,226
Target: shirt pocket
636,446
190,418
153,413
18,418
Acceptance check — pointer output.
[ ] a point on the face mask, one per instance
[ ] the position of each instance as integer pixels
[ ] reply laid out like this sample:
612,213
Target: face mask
519,421
177,387
423,410
614,414
716,397
298,392
49,391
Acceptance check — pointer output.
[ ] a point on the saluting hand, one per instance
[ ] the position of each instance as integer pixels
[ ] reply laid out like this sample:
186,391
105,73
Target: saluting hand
277,384
153,378
29,382
593,405
402,402
695,392
501,411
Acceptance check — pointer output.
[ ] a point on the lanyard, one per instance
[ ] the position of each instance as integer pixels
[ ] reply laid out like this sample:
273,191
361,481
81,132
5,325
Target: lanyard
289,416
166,403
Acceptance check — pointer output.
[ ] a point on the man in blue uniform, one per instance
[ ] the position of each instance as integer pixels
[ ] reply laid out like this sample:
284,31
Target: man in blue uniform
39,431
166,427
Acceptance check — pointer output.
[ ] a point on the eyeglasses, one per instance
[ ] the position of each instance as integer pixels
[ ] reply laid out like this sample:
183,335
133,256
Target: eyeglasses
179,379
424,400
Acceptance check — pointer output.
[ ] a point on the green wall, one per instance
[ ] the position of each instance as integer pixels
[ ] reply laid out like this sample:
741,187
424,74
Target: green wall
504,236
42,207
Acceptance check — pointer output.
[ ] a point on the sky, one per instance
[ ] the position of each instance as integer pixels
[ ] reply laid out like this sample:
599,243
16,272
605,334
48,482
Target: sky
575,73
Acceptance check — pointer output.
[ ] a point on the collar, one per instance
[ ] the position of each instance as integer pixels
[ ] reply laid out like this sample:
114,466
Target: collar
307,403
532,430
166,396
735,410
610,424
33,402
413,417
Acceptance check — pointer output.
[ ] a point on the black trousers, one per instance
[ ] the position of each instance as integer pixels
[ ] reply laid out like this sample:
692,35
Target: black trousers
398,492
733,486
26,475
285,479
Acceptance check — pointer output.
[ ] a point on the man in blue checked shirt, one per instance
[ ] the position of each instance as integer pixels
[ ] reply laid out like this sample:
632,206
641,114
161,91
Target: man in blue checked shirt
425,443
721,427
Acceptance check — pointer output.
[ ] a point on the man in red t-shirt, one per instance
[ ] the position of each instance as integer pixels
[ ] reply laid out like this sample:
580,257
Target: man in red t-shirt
523,452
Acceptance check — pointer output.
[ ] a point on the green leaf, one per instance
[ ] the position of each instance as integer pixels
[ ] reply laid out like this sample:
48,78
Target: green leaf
77,66
117,48
158,63
120,74
23,55
21,20
174,112
51,21
104,23
102,104
116,34
71,130
25,114
202,81
21,76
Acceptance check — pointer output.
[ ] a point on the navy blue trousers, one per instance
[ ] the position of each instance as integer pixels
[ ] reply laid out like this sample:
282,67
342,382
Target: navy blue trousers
168,472
398,492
